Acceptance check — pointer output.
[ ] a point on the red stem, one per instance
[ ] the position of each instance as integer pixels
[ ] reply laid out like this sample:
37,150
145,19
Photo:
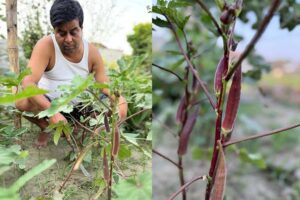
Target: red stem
165,157
255,38
182,188
235,141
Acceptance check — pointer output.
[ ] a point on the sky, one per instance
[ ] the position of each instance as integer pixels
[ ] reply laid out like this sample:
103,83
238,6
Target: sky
275,43
130,13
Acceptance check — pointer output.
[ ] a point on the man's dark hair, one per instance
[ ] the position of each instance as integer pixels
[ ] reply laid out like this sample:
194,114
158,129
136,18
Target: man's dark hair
63,11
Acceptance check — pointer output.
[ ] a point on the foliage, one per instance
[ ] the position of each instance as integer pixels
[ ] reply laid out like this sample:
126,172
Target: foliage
32,33
135,188
135,83
11,80
141,43
11,193
140,40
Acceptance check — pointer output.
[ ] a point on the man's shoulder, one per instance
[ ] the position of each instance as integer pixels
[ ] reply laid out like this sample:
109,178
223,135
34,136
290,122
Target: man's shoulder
46,40
44,47
93,51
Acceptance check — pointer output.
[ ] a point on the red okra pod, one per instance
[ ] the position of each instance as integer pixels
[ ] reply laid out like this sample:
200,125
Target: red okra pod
233,102
186,131
116,142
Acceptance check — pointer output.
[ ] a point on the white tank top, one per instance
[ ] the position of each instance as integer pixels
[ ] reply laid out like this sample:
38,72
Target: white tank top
63,71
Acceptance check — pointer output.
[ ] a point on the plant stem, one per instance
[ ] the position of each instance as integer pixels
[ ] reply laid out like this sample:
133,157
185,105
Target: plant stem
191,67
165,157
181,177
166,127
218,125
204,7
98,99
167,70
112,158
134,114
255,38
182,188
235,141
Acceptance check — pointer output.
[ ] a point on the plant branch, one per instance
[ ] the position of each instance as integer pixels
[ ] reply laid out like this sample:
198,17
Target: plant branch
87,129
167,70
100,101
260,135
255,38
182,188
191,67
205,8
165,126
134,114
181,177
165,157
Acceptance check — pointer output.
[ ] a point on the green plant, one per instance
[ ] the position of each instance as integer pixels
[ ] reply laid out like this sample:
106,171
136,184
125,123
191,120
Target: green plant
228,76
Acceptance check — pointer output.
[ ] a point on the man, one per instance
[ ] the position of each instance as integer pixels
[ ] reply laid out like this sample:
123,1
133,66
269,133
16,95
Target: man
56,59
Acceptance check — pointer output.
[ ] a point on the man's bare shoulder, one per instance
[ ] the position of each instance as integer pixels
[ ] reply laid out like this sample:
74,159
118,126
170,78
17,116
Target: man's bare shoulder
45,44
93,50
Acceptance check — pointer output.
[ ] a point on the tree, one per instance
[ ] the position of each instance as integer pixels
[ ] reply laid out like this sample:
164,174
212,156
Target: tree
141,40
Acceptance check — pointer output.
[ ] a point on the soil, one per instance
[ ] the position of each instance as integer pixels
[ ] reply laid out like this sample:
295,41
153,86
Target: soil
79,187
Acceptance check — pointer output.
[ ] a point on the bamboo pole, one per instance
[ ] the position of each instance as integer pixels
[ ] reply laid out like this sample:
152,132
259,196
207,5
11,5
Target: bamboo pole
12,47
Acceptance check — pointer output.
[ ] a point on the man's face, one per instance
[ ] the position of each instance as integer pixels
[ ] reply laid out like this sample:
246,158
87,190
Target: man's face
69,36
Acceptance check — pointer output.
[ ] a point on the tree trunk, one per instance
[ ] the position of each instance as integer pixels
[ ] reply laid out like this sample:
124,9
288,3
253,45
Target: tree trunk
12,47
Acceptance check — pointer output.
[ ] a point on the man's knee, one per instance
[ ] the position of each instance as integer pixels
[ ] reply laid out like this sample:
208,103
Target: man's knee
22,105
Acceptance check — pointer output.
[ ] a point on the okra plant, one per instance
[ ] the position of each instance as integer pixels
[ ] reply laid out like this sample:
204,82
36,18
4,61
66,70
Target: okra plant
227,77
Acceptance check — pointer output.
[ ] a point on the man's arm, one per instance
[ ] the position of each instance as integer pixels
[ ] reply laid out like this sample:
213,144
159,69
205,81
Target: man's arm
39,60
100,76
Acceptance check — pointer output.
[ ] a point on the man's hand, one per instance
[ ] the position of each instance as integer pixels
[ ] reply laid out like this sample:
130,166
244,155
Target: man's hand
57,118
122,108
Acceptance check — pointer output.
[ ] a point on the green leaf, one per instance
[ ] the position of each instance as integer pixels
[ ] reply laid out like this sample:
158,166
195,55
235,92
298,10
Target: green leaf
160,22
27,92
57,135
136,188
255,159
130,138
124,152
24,73
149,136
179,3
31,173
63,103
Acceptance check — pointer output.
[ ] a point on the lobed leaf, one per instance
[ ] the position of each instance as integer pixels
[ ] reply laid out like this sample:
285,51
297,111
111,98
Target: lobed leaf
27,92
31,173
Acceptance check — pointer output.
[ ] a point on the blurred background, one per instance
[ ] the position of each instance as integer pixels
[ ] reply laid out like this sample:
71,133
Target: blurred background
267,168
